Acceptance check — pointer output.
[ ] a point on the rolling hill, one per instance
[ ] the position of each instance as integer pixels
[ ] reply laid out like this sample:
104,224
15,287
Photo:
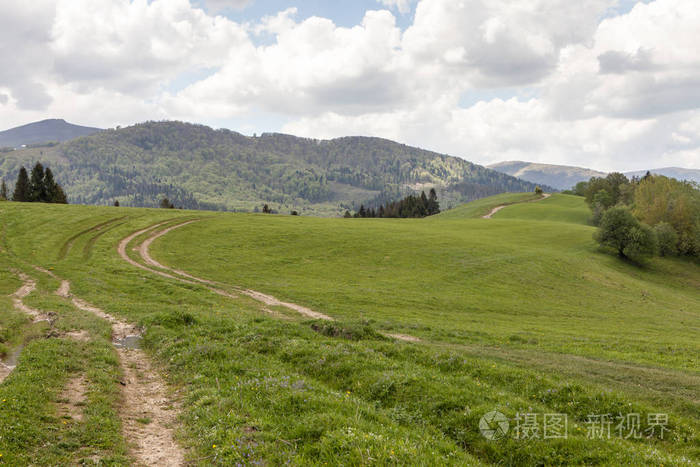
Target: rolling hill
199,167
424,327
45,131
563,177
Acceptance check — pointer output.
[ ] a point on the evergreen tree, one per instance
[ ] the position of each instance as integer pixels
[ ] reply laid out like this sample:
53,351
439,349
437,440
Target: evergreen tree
50,187
22,187
433,204
60,196
37,188
3,191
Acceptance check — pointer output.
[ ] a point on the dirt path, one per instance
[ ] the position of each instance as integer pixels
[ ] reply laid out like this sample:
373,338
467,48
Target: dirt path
498,208
27,288
148,415
268,300
183,276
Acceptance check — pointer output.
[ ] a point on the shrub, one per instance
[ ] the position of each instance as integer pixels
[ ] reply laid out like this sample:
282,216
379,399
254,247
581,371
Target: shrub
620,230
667,239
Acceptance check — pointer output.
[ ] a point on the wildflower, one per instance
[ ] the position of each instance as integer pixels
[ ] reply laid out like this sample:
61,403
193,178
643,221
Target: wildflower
213,446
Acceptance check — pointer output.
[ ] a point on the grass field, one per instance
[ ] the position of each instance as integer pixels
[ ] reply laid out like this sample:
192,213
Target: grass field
520,314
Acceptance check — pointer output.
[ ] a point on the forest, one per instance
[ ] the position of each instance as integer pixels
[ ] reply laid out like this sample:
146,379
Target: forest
647,215
198,167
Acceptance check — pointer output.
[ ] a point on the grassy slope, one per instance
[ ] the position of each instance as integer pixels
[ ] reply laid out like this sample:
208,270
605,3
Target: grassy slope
517,314
564,208
483,281
481,207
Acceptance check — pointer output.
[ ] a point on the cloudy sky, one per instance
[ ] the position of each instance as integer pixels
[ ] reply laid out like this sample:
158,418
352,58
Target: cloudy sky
607,84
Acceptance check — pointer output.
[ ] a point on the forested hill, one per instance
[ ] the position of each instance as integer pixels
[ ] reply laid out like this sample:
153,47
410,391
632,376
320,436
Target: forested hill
45,131
198,167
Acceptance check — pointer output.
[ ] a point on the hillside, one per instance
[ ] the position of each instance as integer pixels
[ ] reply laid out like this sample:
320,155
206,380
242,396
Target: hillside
564,177
198,167
561,177
280,340
45,131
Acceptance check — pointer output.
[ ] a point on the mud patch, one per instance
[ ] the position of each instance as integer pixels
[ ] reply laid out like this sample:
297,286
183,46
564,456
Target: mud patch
403,337
132,342
80,336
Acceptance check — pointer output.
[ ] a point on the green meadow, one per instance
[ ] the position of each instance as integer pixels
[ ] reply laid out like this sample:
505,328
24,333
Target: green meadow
520,314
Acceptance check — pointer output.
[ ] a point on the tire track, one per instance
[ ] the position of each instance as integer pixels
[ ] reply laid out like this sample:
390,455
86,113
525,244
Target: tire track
268,300
182,276
29,286
87,249
68,244
145,394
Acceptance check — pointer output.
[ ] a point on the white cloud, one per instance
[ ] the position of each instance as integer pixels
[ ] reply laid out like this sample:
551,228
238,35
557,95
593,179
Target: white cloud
403,6
621,92
312,66
221,5
491,43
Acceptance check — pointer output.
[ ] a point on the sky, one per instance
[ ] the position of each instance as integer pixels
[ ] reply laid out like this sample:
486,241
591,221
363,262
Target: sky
605,84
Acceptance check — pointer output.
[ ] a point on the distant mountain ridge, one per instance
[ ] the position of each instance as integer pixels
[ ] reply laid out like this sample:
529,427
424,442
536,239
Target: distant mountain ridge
679,173
561,177
564,177
45,131
198,167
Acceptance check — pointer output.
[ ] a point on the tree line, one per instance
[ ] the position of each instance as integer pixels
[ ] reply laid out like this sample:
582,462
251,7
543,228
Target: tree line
41,187
644,216
412,206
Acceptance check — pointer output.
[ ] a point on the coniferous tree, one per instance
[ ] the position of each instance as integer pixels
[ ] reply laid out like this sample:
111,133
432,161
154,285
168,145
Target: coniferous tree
37,188
50,189
3,191
22,187
433,204
60,196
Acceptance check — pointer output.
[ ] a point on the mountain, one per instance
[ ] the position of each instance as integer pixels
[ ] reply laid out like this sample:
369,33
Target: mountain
561,177
198,167
564,177
692,175
45,131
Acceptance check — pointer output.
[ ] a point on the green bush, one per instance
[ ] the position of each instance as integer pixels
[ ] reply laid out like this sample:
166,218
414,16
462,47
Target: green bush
667,239
620,230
